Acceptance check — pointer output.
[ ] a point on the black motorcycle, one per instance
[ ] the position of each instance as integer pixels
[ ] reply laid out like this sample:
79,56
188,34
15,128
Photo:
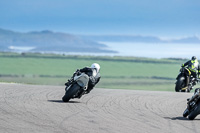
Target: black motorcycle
77,86
184,81
193,106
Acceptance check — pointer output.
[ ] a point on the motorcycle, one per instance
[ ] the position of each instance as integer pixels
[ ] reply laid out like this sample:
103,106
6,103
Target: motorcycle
77,86
184,81
193,106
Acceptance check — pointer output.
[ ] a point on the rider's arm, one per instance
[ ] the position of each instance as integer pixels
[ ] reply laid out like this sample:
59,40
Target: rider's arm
85,69
185,64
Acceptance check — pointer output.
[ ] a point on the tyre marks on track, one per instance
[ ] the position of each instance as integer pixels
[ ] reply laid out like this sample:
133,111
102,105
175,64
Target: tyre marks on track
29,108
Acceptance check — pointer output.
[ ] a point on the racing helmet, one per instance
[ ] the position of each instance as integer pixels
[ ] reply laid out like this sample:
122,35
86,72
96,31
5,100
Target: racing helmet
96,66
193,58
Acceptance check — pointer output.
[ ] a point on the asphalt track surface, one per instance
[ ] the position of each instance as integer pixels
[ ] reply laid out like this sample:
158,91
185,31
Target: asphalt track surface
39,109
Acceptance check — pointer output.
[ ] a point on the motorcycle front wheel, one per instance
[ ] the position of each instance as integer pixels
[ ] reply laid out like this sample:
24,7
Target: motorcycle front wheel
186,113
194,113
180,84
70,92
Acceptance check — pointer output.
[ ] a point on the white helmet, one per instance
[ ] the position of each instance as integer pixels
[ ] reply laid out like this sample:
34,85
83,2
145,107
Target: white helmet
96,66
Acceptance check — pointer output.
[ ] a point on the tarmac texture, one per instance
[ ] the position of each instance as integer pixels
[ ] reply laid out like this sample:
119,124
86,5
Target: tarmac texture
39,109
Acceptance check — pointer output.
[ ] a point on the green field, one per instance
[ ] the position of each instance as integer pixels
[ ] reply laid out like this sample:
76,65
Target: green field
116,72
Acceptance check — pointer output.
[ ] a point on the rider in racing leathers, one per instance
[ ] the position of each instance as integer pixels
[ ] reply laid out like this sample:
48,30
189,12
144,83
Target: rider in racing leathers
193,66
94,76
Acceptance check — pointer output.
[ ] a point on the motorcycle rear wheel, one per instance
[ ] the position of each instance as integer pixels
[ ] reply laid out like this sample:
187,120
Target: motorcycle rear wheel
70,92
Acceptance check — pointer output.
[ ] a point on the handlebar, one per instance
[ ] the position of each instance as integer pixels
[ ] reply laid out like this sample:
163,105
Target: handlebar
77,72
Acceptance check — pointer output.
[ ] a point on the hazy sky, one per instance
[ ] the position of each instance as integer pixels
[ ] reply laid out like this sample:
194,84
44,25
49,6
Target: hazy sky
173,18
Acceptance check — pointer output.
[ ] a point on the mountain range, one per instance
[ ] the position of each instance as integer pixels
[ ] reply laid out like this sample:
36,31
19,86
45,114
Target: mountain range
139,38
48,41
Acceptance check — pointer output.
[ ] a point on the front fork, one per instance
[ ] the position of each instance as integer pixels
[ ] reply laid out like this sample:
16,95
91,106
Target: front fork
187,80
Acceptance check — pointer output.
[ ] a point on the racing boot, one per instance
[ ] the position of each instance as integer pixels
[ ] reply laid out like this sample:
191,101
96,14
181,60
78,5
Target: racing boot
88,90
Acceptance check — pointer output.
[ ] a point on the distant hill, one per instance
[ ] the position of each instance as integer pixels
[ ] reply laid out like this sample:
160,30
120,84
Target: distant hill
48,41
139,38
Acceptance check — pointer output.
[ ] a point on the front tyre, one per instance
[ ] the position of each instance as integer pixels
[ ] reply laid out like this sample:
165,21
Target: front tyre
194,113
70,92
180,84
186,113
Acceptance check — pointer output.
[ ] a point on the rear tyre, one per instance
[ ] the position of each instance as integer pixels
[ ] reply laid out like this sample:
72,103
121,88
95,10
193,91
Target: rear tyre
180,84
194,113
70,92
186,113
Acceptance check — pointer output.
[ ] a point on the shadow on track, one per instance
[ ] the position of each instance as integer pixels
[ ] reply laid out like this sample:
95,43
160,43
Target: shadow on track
60,101
177,118
180,118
